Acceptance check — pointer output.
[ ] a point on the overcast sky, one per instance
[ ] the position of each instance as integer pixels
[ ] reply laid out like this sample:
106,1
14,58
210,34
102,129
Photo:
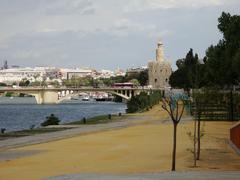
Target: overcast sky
106,34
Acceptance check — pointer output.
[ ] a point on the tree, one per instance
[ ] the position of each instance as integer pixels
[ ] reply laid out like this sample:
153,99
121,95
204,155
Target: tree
143,101
223,59
35,83
188,73
51,120
3,84
143,78
200,101
24,82
175,108
135,82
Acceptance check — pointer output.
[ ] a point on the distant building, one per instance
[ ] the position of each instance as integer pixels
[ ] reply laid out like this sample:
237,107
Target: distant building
133,72
15,75
159,70
105,74
75,73
119,72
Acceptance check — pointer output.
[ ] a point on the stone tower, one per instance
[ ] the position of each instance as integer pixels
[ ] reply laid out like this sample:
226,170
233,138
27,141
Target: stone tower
159,70
159,52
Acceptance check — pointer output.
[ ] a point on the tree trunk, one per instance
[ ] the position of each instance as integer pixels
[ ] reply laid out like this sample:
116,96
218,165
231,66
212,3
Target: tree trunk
174,146
198,138
194,143
231,106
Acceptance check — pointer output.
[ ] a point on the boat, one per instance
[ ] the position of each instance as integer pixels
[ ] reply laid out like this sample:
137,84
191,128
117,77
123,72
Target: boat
74,98
100,99
85,98
103,98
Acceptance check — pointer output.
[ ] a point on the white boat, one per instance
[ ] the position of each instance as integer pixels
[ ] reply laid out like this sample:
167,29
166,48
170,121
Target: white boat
85,98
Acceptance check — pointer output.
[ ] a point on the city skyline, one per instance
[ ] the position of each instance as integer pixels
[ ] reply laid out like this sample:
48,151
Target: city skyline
106,34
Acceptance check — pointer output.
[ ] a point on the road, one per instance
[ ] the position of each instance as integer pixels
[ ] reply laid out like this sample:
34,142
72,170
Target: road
190,175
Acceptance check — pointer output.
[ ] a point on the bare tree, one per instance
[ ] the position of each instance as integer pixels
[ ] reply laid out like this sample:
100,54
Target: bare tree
199,108
175,108
199,112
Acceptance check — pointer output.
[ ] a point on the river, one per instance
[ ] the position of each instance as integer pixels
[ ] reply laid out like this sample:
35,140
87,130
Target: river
20,113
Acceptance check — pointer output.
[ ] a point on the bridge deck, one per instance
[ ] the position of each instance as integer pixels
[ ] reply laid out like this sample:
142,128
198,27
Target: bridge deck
71,89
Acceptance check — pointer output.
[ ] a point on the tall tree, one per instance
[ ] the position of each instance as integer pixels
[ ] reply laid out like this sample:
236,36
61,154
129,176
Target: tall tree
223,59
143,77
187,75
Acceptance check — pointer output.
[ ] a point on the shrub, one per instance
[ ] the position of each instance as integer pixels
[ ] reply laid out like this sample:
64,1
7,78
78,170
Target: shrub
51,120
143,101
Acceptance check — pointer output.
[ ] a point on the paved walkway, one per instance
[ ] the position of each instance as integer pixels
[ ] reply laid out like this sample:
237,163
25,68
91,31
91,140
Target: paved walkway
203,175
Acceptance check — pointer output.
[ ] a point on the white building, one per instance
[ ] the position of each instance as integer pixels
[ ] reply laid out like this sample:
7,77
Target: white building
119,72
12,75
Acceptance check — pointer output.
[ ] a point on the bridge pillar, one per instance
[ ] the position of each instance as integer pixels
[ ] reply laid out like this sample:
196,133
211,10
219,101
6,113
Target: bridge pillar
128,94
46,97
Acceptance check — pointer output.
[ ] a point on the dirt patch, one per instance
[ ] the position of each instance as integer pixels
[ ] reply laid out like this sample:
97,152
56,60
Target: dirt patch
14,154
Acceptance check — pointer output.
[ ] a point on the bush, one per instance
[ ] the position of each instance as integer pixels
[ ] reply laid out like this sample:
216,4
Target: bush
51,120
9,94
143,101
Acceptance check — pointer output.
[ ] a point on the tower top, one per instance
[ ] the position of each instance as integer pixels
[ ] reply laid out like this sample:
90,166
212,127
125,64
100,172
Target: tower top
159,43
159,51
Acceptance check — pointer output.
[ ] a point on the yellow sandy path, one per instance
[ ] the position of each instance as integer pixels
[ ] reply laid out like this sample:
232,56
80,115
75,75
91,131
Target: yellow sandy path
142,148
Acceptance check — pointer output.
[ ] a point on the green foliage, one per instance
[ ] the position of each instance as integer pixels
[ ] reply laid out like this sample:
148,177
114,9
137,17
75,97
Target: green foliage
51,120
117,98
35,83
118,79
143,78
223,59
135,82
78,82
188,75
220,66
89,81
129,76
8,94
3,84
143,101
24,83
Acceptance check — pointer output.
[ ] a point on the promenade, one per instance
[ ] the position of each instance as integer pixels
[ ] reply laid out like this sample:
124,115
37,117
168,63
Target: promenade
138,147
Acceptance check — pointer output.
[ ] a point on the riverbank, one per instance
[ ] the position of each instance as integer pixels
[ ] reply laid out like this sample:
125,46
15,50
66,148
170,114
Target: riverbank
141,143
61,127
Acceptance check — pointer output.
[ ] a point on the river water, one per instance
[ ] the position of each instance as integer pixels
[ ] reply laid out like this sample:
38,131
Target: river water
22,112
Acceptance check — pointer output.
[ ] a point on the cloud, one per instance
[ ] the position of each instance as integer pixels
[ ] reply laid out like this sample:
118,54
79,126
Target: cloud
143,5
106,32
125,27
66,7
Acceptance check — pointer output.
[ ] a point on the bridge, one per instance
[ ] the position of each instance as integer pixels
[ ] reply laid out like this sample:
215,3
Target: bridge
56,95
